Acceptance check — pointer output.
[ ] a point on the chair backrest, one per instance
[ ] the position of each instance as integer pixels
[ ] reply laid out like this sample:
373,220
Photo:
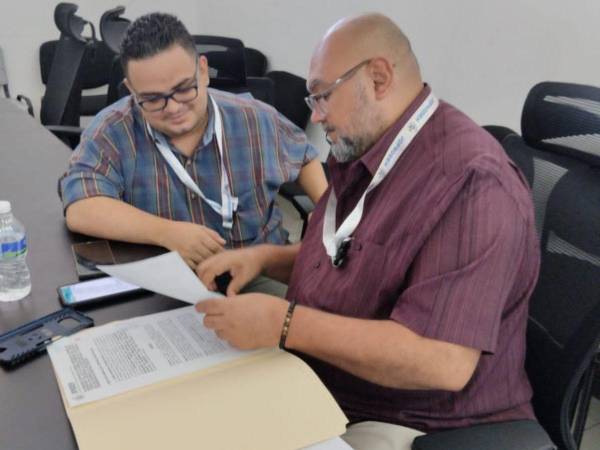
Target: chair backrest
290,91
560,156
226,60
112,30
227,67
256,62
113,27
62,100
94,72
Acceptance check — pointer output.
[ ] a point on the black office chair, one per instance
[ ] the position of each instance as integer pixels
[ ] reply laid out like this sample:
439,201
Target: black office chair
4,88
61,103
113,27
94,73
256,62
290,91
112,31
560,155
499,132
227,67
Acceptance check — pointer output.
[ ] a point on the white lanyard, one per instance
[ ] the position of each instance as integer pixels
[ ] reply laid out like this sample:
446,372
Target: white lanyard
229,203
337,242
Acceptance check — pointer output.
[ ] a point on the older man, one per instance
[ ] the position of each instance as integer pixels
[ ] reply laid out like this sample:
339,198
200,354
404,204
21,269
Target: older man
409,293
179,165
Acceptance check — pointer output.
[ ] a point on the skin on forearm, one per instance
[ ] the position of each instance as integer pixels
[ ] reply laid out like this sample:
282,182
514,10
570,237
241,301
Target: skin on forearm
312,180
278,260
109,218
381,351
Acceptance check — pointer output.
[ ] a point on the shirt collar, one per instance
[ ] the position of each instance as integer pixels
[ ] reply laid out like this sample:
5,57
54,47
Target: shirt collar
372,157
344,175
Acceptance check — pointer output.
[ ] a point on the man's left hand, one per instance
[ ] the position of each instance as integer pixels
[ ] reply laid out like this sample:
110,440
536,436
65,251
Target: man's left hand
247,321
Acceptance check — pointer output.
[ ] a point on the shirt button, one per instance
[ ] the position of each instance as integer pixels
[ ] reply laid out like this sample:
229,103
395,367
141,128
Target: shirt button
193,196
358,246
188,163
317,264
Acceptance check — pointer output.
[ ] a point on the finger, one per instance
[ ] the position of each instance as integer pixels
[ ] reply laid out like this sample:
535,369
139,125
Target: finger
213,322
221,334
211,247
190,262
216,237
210,307
238,280
211,268
200,252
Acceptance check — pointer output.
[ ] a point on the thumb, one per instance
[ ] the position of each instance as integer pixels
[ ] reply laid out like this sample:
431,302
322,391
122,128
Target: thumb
238,281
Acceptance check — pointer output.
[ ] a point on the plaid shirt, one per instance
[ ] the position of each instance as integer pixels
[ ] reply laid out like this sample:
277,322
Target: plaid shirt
117,158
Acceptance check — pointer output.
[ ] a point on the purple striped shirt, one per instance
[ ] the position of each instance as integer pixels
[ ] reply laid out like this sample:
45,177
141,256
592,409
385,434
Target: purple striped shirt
446,247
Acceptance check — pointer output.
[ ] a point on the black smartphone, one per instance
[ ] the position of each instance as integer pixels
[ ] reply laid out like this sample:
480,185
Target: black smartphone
88,254
95,291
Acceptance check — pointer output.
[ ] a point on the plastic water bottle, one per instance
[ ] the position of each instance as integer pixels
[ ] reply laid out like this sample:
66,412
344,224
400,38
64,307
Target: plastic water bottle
15,281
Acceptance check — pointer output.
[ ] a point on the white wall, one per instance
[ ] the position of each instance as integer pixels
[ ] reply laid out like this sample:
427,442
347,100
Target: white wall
482,56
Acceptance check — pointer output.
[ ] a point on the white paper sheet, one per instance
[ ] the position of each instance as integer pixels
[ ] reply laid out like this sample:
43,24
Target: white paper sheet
165,274
124,355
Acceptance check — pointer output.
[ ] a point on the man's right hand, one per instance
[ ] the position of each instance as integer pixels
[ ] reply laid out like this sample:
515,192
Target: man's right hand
193,242
244,265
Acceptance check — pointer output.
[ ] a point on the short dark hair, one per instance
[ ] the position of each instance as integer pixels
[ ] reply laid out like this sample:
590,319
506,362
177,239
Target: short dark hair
152,33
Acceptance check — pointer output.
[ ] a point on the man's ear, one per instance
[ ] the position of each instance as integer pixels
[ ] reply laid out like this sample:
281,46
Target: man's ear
128,86
382,75
203,78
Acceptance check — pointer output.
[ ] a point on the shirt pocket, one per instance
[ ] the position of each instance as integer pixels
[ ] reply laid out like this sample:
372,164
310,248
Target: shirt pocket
354,289
252,218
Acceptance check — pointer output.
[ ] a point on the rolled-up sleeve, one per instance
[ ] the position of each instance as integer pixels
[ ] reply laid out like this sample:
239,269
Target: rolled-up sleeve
464,275
295,150
94,170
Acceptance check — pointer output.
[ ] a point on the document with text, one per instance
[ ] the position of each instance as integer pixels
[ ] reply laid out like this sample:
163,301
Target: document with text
165,381
128,354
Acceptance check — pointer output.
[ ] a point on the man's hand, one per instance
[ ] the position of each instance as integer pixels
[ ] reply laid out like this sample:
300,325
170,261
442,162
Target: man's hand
243,265
247,321
193,242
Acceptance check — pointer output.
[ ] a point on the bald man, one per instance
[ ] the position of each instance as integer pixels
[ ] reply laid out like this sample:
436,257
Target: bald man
408,295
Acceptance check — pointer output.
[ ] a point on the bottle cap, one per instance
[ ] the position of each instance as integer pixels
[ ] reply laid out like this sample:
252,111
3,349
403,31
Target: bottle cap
4,206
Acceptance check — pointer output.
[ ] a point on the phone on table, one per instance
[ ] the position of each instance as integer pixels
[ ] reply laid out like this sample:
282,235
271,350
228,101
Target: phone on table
88,255
96,291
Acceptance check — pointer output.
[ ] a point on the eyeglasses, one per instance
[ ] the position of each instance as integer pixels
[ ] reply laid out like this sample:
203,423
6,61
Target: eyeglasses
182,94
319,101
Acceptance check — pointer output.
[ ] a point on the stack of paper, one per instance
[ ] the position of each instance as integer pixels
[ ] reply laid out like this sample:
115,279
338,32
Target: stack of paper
164,381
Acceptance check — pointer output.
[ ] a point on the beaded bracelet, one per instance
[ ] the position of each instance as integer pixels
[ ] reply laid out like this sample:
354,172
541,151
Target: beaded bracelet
286,324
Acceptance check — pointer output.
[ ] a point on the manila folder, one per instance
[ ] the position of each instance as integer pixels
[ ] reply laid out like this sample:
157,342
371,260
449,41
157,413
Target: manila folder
267,401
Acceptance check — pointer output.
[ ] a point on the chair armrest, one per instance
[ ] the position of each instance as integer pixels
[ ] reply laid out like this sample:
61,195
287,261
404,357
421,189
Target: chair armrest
23,99
294,194
515,435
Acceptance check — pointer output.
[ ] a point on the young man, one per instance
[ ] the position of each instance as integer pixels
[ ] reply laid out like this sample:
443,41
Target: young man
413,279
179,165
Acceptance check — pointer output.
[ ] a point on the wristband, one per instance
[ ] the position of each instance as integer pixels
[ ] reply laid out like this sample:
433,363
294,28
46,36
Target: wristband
286,324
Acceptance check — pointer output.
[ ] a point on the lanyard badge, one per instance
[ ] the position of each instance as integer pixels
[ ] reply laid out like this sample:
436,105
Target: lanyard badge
229,203
337,242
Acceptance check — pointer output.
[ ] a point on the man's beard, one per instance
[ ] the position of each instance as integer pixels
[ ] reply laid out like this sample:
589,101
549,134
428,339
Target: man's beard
347,149
366,122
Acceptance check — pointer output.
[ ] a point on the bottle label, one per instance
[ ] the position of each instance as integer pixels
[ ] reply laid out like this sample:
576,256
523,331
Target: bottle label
13,249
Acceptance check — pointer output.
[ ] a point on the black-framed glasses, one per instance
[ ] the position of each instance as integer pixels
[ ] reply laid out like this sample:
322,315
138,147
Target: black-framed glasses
319,101
181,94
